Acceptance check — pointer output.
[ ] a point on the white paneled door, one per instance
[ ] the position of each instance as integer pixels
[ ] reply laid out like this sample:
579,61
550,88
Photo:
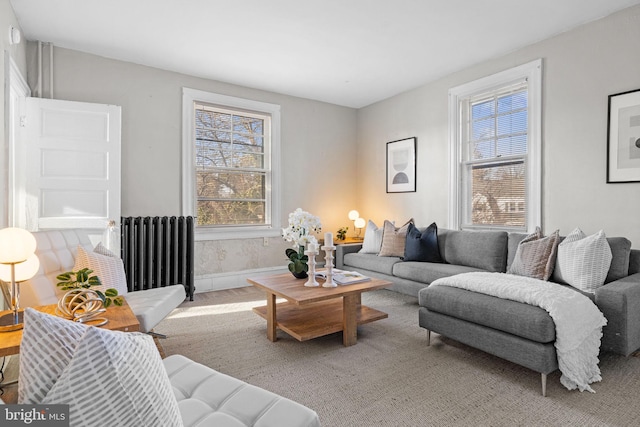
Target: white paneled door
72,164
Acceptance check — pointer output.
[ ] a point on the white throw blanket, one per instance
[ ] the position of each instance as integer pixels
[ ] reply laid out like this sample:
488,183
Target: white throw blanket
578,321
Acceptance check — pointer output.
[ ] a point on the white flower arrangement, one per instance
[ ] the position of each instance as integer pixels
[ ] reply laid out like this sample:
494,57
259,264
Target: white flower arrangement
301,225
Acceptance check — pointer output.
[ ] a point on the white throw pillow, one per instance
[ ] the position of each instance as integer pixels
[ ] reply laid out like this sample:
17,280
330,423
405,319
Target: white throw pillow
372,239
109,269
116,379
102,250
583,261
48,344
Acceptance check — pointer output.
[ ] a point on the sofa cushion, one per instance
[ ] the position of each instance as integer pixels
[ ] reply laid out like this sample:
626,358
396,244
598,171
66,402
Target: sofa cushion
393,239
371,262
152,305
427,272
536,255
620,254
523,320
583,261
486,250
422,245
210,398
372,239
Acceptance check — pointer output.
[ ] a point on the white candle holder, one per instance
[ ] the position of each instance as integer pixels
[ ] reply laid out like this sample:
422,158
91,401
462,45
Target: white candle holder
312,282
328,250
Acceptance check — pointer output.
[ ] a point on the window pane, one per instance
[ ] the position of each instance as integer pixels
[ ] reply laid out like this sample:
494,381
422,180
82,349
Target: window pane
512,123
512,102
213,154
230,185
229,145
248,142
483,129
230,213
512,145
247,124
498,195
483,109
247,160
213,119
483,150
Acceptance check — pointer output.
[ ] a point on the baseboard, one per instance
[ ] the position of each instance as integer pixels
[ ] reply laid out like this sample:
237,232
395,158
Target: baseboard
236,279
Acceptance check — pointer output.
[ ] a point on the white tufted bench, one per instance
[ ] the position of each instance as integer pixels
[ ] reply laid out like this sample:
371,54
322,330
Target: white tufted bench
209,398
56,250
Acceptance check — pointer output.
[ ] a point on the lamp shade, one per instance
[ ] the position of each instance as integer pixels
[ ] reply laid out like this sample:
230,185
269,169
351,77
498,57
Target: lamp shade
24,270
16,244
359,223
353,215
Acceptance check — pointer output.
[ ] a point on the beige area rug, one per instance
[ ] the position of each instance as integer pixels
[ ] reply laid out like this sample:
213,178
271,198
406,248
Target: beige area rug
391,378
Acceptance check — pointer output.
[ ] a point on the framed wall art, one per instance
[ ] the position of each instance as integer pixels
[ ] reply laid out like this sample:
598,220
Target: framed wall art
623,137
401,166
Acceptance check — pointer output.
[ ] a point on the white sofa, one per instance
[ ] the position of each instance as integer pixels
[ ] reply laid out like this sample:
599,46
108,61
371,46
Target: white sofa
61,361
204,396
56,250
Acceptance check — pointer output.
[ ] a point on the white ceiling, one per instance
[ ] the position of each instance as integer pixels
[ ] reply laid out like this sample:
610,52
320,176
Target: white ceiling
346,52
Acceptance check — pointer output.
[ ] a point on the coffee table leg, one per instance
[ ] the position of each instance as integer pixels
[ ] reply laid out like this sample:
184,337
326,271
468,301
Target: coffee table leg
349,319
271,317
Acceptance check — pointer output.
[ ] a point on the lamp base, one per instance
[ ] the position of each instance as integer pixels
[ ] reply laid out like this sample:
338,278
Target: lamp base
7,321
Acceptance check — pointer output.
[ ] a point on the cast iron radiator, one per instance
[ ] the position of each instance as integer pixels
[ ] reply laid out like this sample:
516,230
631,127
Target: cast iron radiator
157,252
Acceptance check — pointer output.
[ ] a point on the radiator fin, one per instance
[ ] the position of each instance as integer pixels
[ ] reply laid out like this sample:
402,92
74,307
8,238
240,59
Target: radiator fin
158,252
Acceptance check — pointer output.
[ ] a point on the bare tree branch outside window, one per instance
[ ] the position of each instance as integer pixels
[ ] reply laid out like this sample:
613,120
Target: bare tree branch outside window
230,166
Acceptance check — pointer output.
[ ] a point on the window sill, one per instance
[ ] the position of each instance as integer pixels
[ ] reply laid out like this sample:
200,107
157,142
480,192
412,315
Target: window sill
203,234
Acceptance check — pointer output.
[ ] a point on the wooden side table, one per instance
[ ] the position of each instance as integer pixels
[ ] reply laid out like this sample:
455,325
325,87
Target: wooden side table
346,241
121,318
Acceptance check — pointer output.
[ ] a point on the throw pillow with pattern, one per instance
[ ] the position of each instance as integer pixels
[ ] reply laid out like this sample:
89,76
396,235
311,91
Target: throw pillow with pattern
536,255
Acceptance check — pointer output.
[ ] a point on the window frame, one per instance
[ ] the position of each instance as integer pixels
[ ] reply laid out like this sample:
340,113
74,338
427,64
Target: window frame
272,158
532,72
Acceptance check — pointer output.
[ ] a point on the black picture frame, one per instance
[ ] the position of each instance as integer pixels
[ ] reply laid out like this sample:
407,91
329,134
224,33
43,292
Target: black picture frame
401,165
623,137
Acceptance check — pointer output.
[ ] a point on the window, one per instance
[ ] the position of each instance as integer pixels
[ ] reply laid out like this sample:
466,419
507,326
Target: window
230,180
495,151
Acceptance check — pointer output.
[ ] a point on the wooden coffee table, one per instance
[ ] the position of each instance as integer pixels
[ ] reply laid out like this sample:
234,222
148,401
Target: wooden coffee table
314,312
121,318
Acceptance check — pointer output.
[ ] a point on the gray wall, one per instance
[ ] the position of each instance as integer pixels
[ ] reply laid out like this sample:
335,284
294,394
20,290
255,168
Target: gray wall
580,69
318,146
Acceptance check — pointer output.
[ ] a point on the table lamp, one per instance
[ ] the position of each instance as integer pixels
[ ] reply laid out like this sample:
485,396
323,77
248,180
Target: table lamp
359,224
18,263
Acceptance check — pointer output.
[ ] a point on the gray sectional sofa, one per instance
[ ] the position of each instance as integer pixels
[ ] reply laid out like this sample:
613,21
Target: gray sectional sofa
517,332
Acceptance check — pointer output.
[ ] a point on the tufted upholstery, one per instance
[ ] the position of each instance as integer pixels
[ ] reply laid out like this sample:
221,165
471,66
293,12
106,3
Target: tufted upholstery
56,250
209,398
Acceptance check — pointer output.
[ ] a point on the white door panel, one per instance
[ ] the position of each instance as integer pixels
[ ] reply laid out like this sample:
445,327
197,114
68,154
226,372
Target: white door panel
73,171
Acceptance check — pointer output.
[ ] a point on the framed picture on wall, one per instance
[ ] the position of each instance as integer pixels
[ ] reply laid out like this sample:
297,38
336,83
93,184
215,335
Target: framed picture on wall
401,166
623,137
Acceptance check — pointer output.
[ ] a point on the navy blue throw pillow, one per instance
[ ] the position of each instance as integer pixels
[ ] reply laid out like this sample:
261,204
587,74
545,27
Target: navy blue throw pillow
422,246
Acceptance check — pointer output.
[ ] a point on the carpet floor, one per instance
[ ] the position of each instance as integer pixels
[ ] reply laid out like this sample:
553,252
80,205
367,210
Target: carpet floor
390,377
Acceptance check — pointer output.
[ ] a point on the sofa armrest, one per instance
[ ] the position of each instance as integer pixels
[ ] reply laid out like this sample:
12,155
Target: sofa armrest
619,301
342,250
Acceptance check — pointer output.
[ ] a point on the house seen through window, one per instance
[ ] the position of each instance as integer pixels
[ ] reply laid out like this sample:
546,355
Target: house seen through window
496,145
495,160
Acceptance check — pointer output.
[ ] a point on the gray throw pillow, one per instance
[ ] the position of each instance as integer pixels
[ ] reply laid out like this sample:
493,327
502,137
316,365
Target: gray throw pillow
536,255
